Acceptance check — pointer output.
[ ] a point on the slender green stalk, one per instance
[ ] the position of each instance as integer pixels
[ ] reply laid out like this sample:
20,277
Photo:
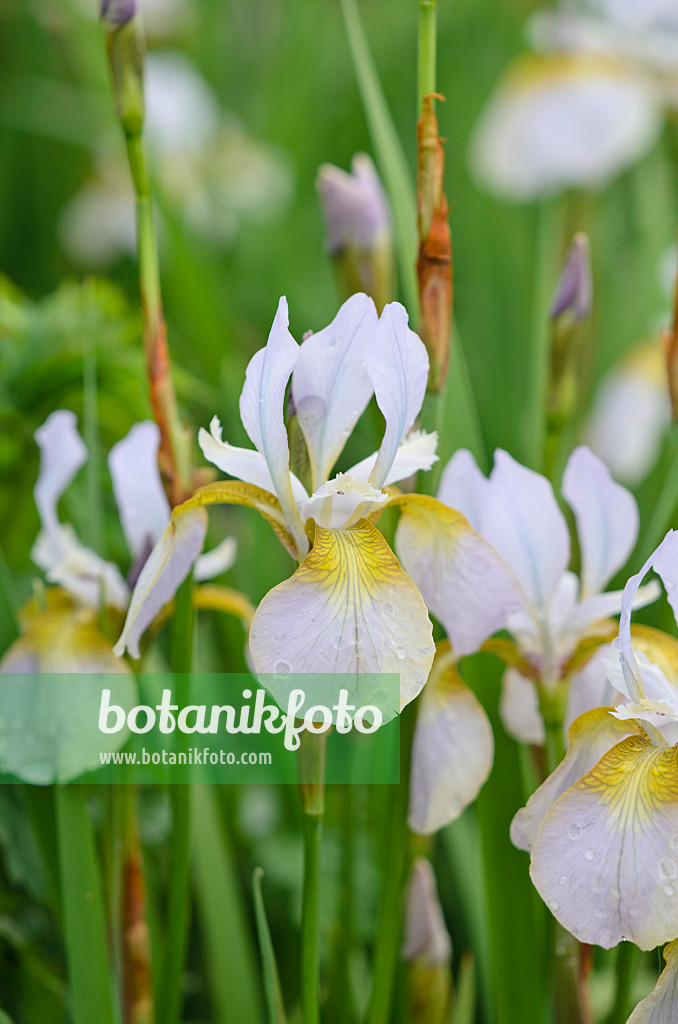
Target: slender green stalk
626,964
396,847
427,50
95,517
274,999
311,774
83,911
388,151
546,261
309,920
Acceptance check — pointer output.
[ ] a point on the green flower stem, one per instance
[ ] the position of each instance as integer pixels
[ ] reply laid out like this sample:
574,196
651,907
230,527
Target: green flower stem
396,857
311,772
309,920
628,957
169,997
427,50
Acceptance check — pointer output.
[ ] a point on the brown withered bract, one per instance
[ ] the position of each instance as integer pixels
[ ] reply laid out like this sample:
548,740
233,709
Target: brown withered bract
434,264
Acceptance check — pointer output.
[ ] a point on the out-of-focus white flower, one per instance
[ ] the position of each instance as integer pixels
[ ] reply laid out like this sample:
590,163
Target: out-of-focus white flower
206,165
588,103
631,413
563,122
142,505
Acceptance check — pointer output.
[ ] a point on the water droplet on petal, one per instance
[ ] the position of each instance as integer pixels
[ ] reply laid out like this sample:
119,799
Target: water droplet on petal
282,666
554,904
573,831
668,889
563,879
401,653
667,868
589,854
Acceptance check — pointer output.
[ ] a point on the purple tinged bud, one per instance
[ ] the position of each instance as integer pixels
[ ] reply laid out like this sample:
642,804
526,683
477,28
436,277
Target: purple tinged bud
354,206
574,292
426,937
118,12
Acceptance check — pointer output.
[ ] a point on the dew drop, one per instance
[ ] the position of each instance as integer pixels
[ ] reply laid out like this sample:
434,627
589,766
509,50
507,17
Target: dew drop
667,868
339,642
554,904
573,831
563,879
589,854
389,609
281,666
401,653
668,890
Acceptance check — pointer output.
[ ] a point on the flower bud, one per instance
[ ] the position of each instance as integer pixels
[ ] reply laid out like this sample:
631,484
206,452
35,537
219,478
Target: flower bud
427,947
117,12
125,45
574,293
358,227
571,307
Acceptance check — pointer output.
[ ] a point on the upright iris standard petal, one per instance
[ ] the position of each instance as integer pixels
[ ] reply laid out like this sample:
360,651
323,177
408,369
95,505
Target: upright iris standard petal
606,858
397,363
62,453
167,567
464,487
521,519
665,556
330,384
463,580
661,1006
142,503
606,515
261,411
452,752
590,736
349,608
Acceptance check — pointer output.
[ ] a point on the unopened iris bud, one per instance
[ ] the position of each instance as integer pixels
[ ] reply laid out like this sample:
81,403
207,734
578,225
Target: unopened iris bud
118,12
427,947
125,45
358,227
574,293
571,308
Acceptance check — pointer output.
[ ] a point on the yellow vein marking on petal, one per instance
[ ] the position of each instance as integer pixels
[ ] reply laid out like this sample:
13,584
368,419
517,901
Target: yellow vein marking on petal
349,608
236,492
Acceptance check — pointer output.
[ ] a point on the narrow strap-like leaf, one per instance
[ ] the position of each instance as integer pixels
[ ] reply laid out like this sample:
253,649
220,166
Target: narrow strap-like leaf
83,911
274,1000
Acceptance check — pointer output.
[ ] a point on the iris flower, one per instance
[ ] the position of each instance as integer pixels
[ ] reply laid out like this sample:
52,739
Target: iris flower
349,607
603,828
557,620
66,637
